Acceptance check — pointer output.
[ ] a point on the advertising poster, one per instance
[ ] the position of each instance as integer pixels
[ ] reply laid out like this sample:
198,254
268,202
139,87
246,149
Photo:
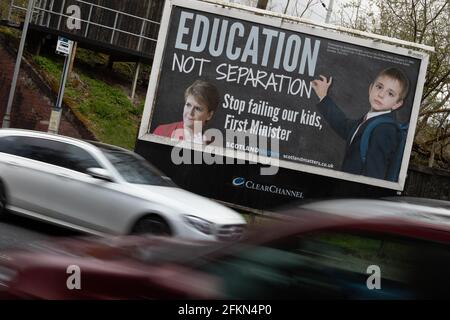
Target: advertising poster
237,84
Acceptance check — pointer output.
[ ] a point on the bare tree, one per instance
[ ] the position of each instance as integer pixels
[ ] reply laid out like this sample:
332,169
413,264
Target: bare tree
262,4
299,8
426,22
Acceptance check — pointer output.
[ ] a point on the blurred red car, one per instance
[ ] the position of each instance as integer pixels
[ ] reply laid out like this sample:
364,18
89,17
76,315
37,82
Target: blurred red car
302,254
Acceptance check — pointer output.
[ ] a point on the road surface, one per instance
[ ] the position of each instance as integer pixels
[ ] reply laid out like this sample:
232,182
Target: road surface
16,230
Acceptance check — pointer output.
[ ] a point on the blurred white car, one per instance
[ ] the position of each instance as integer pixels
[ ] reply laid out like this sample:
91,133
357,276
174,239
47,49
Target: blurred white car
102,189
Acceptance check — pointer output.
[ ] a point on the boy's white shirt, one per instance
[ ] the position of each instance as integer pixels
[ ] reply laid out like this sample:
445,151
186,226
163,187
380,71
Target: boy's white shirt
369,115
375,113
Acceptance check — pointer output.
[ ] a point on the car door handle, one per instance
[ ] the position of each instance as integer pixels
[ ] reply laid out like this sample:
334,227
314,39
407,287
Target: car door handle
64,176
12,163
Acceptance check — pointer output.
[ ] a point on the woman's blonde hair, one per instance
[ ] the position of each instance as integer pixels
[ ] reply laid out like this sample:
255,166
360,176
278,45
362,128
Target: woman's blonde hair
205,92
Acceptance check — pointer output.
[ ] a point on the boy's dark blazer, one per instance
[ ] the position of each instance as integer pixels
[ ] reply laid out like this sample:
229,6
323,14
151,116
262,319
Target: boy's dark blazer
383,142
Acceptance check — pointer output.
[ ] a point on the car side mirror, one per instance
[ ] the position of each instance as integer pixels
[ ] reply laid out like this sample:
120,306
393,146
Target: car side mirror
99,173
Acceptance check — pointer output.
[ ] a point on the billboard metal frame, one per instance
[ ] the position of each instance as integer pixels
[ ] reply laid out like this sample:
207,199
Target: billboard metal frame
297,25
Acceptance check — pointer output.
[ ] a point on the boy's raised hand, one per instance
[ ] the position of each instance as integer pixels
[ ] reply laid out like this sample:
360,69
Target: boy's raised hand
321,86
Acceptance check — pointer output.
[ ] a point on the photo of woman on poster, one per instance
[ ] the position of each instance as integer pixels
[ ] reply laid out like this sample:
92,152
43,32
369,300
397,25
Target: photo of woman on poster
201,99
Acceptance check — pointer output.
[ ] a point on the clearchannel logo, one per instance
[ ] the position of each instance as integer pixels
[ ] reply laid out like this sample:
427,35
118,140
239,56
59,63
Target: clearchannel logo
238,182
248,184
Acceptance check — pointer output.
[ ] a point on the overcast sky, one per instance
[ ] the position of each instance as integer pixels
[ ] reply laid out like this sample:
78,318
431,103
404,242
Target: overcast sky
316,12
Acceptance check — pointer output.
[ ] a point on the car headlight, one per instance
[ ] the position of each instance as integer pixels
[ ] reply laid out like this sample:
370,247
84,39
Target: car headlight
201,225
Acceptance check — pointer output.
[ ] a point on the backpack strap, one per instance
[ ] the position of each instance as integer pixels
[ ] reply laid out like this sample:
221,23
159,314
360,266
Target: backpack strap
394,169
364,144
402,129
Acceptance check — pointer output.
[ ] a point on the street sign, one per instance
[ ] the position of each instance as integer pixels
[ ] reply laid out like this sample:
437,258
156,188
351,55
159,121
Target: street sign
64,46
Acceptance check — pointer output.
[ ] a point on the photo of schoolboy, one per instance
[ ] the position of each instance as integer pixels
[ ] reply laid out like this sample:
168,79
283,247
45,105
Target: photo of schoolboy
371,150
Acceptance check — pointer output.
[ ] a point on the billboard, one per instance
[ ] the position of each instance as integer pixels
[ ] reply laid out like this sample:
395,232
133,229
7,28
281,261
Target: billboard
231,83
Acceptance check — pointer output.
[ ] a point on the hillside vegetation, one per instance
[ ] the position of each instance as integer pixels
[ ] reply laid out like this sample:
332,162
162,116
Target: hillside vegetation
102,106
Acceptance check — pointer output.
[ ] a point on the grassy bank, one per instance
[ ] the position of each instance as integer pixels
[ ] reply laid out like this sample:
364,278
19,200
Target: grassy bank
103,108
94,97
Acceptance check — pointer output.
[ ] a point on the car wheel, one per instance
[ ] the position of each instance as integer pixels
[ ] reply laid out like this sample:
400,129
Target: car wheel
152,225
2,198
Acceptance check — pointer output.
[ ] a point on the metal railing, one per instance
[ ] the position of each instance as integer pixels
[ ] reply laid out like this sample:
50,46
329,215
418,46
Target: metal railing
44,12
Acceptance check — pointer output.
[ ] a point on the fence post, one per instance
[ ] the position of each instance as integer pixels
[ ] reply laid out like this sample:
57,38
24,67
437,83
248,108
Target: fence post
61,13
114,28
88,21
50,13
10,10
42,12
135,80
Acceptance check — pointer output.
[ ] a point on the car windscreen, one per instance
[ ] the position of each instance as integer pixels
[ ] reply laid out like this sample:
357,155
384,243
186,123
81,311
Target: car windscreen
135,169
